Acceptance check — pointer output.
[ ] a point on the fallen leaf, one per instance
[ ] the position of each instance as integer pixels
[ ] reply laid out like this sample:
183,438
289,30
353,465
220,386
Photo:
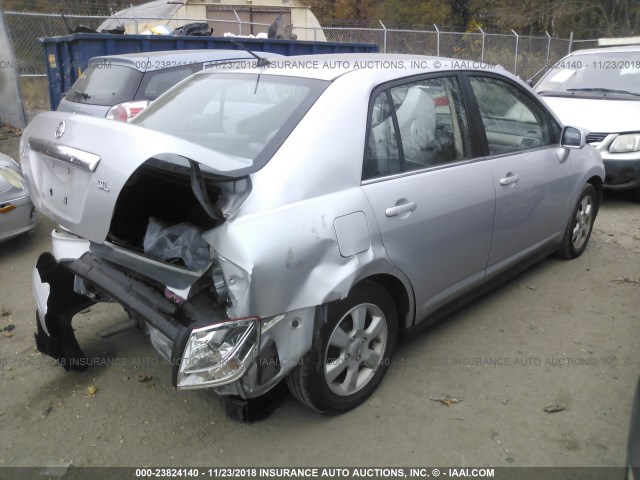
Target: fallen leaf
555,407
9,327
91,390
7,334
144,378
6,312
446,399
625,280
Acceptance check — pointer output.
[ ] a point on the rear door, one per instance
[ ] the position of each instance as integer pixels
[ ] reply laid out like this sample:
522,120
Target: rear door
433,203
531,173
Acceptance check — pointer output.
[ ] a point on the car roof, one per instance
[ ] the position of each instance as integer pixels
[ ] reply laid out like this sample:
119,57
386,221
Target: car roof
173,58
379,66
617,49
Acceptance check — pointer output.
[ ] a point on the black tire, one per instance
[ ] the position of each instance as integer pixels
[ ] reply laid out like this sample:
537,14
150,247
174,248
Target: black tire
365,358
578,232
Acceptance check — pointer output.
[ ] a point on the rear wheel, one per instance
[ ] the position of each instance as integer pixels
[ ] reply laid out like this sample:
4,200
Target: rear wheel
351,354
579,229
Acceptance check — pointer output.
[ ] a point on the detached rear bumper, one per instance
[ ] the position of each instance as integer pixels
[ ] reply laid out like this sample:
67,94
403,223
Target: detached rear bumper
57,304
172,327
205,349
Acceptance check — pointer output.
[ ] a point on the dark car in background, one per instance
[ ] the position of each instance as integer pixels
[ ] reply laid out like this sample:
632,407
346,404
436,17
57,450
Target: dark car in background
119,87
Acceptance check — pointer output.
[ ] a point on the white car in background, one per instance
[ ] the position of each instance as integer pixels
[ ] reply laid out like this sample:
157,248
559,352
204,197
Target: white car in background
599,90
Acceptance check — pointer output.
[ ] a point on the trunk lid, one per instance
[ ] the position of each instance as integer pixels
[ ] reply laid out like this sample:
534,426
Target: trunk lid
76,166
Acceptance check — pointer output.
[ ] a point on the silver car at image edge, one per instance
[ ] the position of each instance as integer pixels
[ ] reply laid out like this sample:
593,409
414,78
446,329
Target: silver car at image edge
288,223
17,213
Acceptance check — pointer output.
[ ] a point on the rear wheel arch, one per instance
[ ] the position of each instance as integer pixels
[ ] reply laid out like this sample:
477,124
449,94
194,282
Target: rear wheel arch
402,299
353,344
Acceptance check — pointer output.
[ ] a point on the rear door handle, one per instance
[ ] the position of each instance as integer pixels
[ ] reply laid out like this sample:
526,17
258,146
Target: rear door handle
400,209
508,180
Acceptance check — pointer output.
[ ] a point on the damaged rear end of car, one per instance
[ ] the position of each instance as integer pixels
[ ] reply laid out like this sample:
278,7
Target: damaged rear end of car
139,209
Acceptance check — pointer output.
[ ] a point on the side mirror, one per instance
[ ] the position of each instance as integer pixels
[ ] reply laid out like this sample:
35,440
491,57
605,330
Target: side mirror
573,137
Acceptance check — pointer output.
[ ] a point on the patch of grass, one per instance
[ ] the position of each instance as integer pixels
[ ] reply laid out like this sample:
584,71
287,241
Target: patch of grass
35,92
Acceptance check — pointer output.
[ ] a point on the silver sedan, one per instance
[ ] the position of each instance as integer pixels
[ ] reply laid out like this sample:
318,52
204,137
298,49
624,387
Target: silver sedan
17,214
288,223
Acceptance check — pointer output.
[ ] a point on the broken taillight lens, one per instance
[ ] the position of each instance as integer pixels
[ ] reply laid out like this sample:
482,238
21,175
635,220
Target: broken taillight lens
123,112
218,354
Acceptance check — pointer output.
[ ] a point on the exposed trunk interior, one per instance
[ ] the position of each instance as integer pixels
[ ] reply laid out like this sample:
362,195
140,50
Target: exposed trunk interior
161,190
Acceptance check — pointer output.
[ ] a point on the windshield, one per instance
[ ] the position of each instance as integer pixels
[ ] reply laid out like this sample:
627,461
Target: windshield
105,84
243,115
599,74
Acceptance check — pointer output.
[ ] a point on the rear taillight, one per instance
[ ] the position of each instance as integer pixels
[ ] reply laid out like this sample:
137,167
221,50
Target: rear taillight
123,112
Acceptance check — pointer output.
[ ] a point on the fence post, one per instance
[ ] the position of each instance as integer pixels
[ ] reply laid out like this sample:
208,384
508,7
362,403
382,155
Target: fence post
570,42
548,46
515,64
482,51
384,44
11,101
135,19
239,22
437,40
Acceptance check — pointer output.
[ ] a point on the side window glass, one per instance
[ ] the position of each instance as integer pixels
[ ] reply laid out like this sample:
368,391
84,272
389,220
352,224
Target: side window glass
381,152
512,121
425,126
432,123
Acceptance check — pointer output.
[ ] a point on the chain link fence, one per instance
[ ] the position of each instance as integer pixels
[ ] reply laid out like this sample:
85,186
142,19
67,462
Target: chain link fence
526,56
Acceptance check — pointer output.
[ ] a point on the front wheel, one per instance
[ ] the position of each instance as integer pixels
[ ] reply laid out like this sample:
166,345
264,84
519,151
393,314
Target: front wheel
351,354
580,225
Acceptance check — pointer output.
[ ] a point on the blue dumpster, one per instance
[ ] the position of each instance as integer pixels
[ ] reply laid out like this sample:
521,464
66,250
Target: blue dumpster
66,56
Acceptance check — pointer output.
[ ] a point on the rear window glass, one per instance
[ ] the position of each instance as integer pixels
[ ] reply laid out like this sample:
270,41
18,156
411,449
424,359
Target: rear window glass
105,84
243,115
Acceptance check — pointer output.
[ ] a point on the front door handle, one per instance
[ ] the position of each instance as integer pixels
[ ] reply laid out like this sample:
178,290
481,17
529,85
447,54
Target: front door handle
508,180
400,209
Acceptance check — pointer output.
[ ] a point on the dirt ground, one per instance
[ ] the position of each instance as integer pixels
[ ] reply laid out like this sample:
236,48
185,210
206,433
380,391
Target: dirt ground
564,332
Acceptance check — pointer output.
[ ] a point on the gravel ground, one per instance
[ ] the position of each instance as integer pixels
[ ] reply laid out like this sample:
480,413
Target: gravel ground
563,333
